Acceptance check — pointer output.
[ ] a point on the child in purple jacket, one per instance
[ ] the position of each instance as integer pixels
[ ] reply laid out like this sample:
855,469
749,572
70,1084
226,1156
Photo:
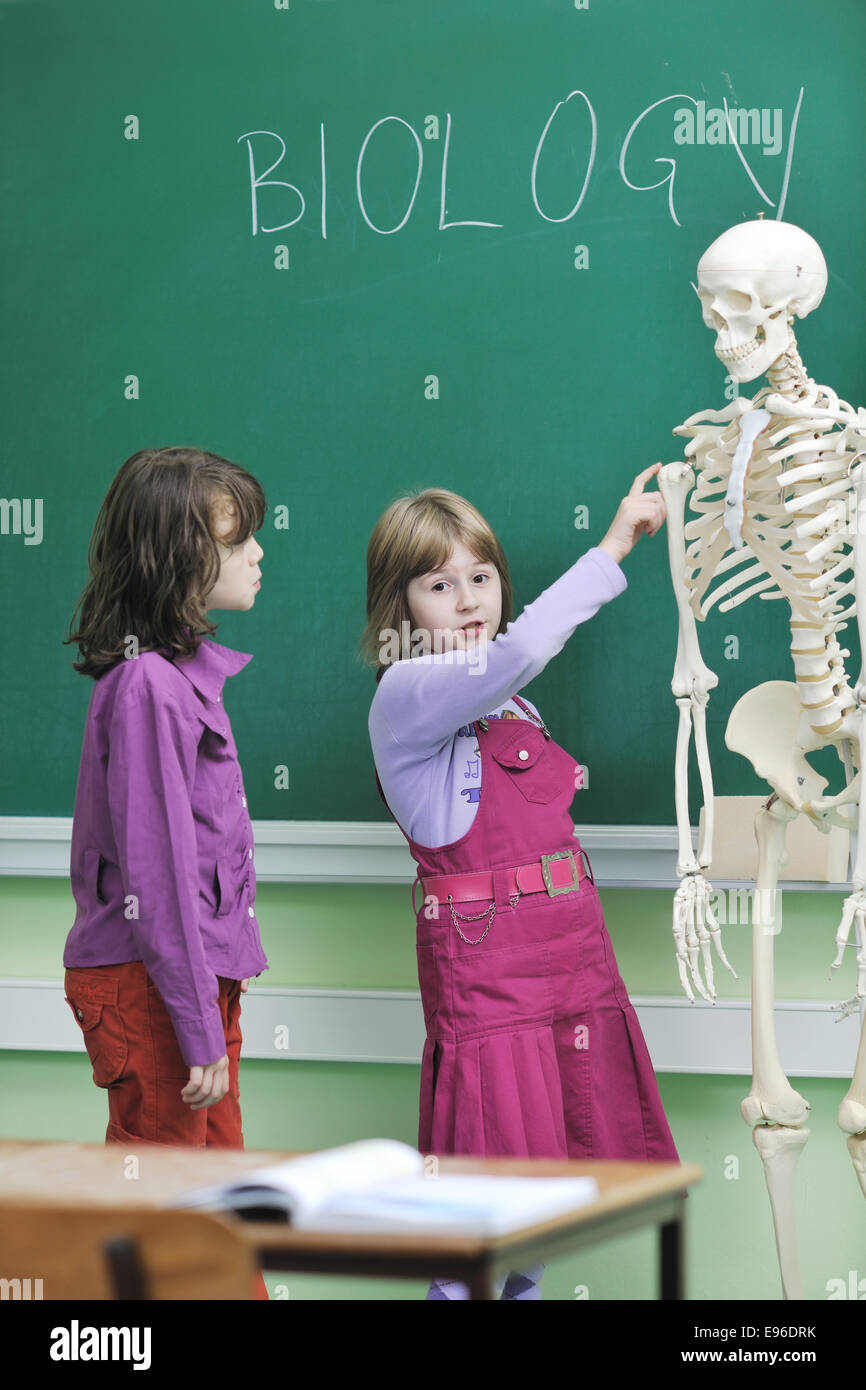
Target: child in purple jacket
165,935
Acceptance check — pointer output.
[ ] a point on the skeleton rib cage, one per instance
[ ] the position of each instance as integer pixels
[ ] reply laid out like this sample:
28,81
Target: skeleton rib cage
800,510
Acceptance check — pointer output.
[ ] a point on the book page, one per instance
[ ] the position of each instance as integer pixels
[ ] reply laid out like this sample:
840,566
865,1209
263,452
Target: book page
300,1185
467,1202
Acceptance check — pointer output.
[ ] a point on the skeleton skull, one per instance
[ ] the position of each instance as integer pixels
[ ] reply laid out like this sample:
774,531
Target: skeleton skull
752,280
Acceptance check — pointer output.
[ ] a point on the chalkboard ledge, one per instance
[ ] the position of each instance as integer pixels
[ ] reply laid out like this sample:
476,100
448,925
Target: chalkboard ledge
375,852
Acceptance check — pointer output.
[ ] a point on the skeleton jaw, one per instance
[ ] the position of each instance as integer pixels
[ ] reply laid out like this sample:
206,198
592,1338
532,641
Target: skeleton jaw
753,356
741,350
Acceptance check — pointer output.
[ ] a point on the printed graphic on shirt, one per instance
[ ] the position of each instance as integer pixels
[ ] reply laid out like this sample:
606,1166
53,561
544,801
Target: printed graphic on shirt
472,762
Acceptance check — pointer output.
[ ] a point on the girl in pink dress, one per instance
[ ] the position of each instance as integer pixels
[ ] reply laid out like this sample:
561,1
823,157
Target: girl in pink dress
533,1048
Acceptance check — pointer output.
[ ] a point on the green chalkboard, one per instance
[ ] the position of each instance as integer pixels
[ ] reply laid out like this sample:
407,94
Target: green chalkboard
394,149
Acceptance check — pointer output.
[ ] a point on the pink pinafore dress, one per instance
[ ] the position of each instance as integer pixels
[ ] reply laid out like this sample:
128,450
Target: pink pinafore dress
533,1048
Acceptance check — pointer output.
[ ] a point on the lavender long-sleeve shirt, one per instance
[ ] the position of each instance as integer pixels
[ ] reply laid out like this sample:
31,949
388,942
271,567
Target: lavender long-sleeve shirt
162,844
426,754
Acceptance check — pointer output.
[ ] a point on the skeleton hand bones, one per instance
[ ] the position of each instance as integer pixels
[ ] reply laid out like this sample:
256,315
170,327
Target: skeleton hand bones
695,924
853,910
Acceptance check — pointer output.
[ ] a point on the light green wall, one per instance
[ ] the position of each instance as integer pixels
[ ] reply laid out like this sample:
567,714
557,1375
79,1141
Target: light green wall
345,936
318,935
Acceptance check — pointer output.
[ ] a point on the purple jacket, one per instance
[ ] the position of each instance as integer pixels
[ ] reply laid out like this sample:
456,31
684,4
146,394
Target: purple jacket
162,844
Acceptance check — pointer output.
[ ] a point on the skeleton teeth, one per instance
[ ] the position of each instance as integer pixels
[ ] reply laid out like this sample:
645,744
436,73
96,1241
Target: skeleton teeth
736,354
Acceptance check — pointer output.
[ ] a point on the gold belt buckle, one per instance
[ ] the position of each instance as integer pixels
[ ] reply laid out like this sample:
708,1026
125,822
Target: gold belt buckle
545,873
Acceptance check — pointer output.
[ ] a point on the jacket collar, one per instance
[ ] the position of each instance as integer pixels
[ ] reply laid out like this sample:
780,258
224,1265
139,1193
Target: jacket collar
212,664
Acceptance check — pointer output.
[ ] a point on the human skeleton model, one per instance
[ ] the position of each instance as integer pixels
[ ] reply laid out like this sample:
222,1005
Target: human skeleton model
780,484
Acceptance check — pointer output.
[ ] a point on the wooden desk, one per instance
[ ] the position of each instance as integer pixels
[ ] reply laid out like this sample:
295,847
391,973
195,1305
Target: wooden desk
631,1195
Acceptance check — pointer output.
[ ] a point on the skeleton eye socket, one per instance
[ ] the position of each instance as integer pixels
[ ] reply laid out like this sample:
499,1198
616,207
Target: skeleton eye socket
711,318
738,301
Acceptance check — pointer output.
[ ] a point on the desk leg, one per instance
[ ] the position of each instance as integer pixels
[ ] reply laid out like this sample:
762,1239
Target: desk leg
480,1283
127,1273
671,1258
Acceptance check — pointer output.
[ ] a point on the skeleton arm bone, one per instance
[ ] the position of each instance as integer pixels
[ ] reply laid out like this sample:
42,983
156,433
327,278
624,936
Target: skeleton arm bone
692,679
854,907
691,685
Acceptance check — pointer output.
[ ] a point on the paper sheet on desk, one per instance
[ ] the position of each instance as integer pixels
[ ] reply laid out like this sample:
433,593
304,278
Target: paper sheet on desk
462,1202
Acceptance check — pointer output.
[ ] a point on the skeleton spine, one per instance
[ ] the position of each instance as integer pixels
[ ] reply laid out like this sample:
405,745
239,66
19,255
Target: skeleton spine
819,665
818,658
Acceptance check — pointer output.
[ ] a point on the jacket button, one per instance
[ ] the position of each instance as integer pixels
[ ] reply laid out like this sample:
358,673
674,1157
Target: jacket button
250,911
243,800
523,755
251,854
78,1014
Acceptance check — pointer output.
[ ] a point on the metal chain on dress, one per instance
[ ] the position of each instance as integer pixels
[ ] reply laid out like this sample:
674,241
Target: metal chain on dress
473,917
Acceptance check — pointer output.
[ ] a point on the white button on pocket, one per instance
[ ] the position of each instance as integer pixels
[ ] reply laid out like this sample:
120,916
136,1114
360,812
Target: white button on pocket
526,758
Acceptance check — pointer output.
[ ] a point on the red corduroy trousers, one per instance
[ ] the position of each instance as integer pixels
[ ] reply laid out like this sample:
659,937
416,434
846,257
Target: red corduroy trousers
135,1056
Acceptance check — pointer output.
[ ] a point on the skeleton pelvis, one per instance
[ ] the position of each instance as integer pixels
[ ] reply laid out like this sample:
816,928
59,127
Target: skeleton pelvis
763,727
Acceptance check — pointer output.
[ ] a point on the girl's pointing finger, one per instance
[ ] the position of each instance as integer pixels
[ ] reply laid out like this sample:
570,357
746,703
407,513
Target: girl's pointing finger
642,478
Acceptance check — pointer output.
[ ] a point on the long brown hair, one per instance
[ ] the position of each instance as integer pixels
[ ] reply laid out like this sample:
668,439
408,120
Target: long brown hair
153,556
414,536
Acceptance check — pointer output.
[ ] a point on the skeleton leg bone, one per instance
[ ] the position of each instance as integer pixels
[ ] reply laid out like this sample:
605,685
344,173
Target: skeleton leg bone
775,1110
851,1116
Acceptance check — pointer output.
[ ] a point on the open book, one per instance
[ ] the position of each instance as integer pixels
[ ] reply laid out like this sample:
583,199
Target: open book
384,1185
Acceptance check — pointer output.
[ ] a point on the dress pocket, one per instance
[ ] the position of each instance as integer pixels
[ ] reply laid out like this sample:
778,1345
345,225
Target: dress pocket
506,988
428,980
527,758
104,1034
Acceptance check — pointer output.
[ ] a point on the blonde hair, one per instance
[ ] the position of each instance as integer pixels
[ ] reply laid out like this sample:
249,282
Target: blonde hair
414,536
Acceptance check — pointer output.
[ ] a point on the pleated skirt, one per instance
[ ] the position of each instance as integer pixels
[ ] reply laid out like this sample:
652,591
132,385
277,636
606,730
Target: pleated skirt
533,1047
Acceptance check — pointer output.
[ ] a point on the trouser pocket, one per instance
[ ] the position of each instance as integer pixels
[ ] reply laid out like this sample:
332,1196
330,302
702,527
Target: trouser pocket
95,1009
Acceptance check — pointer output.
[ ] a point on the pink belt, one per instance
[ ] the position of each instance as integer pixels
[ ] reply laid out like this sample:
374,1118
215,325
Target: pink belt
551,874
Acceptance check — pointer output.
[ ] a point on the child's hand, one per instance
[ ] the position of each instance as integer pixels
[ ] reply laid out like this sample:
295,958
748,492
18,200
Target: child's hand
637,512
206,1085
244,986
